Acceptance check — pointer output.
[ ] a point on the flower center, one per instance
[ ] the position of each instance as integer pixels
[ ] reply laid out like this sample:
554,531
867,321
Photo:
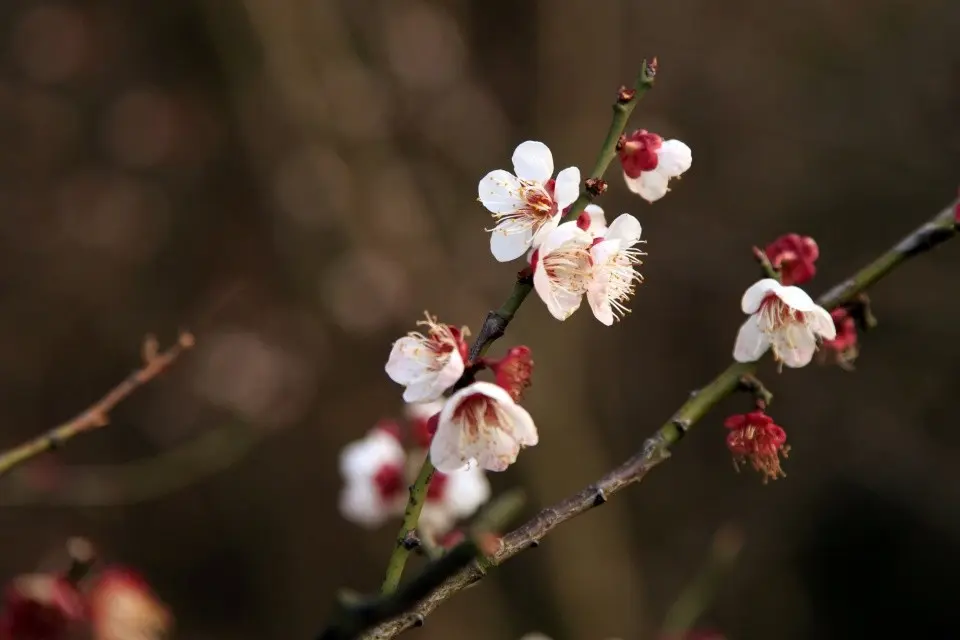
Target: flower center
622,278
569,267
477,414
389,481
776,316
536,209
441,340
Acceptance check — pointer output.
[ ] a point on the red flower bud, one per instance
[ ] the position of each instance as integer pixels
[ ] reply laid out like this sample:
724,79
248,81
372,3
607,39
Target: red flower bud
794,256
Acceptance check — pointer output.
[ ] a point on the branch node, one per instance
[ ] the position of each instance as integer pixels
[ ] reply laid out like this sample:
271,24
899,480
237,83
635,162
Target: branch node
533,544
411,541
683,424
600,497
862,312
621,142
625,94
595,187
752,385
418,620
694,393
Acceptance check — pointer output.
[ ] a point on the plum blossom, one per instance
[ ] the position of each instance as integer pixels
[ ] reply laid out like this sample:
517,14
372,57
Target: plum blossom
784,318
528,203
377,471
482,426
562,268
794,256
123,606
427,365
754,438
649,163
592,220
614,276
514,371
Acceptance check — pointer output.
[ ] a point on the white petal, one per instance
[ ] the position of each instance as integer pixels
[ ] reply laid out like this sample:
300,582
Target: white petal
360,503
409,360
754,295
510,240
524,430
795,346
821,323
495,450
751,342
560,303
562,234
600,303
651,185
533,161
545,230
362,458
432,385
466,491
567,187
674,158
625,228
499,192
422,410
493,391
796,298
598,222
446,448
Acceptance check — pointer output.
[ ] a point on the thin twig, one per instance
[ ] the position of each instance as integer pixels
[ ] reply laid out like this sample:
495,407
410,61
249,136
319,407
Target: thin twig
656,448
97,415
496,321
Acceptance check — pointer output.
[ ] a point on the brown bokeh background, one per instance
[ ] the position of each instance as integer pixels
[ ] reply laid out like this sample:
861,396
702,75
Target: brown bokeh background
295,182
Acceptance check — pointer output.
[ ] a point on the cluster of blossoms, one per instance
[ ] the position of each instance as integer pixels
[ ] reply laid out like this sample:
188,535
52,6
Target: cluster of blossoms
784,319
117,604
480,426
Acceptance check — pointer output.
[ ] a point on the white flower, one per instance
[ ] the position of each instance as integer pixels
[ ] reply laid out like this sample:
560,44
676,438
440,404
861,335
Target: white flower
614,274
528,205
427,365
452,497
784,318
482,425
649,163
374,483
562,268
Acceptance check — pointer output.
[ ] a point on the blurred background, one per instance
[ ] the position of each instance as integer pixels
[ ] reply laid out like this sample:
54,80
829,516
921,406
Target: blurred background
295,182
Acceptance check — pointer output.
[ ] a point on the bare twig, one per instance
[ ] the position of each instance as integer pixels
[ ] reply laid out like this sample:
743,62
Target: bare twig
656,448
496,321
97,415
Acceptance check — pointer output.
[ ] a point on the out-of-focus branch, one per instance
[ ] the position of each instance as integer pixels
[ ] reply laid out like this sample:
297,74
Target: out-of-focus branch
98,415
656,448
496,321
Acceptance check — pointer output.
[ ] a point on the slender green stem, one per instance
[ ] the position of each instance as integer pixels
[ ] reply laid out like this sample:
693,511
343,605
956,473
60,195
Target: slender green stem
411,516
496,321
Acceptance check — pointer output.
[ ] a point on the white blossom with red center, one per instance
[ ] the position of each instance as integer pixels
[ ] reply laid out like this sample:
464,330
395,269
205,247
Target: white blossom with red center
592,220
427,365
374,474
481,426
562,268
377,471
615,259
528,205
650,162
785,319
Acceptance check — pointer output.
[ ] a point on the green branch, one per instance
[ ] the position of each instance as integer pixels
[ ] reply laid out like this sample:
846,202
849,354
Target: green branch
656,448
496,321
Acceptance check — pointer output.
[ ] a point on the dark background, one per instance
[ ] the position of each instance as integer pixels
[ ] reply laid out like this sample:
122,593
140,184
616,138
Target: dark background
295,182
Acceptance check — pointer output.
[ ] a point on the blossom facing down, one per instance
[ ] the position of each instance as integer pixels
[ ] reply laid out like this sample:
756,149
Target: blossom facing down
793,256
754,438
785,319
122,606
514,371
527,204
592,220
427,365
40,606
562,268
374,475
614,277
843,349
481,425
649,163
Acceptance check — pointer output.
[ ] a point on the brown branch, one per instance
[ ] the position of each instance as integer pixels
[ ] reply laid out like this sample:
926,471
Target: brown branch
97,415
656,448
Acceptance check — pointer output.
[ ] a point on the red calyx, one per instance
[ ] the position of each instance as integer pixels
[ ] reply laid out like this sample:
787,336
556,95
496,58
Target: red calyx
843,349
462,347
534,260
583,221
794,256
422,431
514,372
639,152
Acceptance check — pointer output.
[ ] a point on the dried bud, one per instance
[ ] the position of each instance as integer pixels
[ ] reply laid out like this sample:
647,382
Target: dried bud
40,607
755,438
595,186
122,606
625,95
514,371
650,69
794,257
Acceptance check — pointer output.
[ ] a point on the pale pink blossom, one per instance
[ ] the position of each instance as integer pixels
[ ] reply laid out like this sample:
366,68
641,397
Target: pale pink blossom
482,426
562,268
785,319
614,276
427,365
528,203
